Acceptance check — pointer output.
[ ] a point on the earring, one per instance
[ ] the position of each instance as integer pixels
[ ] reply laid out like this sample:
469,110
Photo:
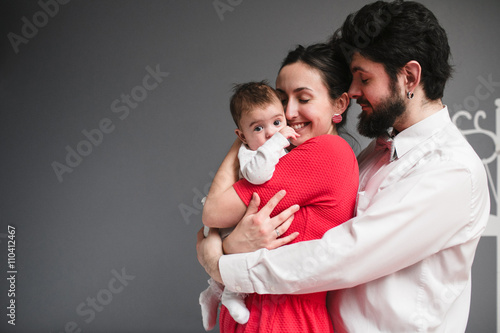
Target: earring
409,95
337,118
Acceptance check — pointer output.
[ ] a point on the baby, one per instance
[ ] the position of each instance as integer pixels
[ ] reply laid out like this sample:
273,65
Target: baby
261,126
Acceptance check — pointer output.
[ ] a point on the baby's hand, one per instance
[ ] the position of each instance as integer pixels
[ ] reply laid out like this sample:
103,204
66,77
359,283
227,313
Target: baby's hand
289,132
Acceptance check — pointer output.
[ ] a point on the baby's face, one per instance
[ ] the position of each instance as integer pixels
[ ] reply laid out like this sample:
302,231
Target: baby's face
260,124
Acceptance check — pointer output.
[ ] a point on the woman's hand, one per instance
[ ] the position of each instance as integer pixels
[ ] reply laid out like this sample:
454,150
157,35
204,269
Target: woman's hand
258,230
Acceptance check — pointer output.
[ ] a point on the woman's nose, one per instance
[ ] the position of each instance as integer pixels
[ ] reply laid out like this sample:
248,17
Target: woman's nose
291,110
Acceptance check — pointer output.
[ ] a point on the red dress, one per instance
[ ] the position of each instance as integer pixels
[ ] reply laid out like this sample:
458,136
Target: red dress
321,175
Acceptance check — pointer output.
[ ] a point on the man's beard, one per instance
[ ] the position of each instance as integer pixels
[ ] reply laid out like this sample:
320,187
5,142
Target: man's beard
382,117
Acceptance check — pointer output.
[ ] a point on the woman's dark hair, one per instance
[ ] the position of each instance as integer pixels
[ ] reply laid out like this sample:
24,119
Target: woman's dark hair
394,33
328,59
331,65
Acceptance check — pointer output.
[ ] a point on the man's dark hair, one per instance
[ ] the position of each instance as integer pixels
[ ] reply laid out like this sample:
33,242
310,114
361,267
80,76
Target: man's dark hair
394,33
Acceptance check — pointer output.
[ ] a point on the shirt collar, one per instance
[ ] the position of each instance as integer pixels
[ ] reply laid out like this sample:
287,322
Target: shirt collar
419,132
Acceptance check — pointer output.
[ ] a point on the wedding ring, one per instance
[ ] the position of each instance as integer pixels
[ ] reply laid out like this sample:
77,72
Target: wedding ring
277,233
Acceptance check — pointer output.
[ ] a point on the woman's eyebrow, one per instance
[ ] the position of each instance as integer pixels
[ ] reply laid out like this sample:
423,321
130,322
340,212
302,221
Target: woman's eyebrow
302,88
295,90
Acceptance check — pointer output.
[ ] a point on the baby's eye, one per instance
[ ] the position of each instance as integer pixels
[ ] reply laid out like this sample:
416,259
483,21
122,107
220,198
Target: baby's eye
277,122
258,128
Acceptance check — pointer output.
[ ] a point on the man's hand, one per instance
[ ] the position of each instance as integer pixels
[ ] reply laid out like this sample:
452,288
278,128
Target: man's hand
258,230
209,251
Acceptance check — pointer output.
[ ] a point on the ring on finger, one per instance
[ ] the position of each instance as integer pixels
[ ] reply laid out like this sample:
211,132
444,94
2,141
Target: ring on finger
277,233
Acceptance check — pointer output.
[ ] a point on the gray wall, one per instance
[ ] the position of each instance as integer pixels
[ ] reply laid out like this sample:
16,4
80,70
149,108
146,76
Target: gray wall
129,207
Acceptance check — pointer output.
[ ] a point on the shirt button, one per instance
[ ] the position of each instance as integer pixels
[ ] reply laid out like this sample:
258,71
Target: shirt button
238,288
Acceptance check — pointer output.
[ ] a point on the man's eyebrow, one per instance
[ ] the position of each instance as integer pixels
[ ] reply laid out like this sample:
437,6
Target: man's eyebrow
357,69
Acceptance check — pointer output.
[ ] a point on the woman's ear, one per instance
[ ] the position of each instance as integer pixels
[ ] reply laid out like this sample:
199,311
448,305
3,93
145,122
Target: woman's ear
412,73
341,103
240,135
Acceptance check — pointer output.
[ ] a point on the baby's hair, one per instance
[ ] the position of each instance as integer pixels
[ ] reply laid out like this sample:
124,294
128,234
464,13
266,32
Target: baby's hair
247,96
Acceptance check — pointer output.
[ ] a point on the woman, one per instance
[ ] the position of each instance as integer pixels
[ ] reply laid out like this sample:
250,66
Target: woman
320,175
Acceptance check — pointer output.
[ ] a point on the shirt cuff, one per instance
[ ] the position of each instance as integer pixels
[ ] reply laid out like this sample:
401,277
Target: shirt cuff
234,272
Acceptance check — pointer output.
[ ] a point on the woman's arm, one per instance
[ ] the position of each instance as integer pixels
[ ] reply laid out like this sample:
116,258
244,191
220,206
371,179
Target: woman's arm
209,249
223,207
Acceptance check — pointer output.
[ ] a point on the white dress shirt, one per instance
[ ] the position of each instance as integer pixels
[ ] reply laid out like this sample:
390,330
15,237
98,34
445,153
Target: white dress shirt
403,264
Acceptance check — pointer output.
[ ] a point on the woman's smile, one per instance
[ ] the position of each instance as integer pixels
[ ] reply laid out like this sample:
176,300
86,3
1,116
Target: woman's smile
299,126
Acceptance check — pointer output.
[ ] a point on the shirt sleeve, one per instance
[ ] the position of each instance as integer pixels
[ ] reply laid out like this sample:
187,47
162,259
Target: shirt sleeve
403,225
258,166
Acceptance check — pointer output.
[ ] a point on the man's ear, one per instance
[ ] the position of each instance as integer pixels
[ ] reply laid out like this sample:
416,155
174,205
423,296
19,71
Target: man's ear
240,135
412,73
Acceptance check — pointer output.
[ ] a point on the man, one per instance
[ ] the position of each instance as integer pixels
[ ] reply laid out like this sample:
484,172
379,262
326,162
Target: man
403,263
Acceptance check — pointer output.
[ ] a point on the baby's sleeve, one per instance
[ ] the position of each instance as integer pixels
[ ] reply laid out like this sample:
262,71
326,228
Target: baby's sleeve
258,166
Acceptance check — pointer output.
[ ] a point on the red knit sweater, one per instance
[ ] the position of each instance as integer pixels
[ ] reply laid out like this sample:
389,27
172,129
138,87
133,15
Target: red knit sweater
321,176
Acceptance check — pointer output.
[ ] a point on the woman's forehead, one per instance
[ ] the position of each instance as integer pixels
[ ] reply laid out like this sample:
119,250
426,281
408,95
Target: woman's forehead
298,76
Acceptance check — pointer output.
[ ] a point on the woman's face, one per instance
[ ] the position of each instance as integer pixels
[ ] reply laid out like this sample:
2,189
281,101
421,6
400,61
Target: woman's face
308,106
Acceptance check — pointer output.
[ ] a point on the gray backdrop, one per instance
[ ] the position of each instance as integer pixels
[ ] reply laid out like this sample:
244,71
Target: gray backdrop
114,119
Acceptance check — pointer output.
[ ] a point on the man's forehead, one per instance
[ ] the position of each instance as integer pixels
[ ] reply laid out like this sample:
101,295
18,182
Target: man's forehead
361,64
358,63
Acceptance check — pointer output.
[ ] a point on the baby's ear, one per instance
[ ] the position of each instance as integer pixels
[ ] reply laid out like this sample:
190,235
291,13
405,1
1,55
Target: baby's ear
240,135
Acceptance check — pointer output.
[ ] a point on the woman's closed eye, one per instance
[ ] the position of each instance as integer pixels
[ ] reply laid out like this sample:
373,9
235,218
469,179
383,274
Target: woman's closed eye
304,98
